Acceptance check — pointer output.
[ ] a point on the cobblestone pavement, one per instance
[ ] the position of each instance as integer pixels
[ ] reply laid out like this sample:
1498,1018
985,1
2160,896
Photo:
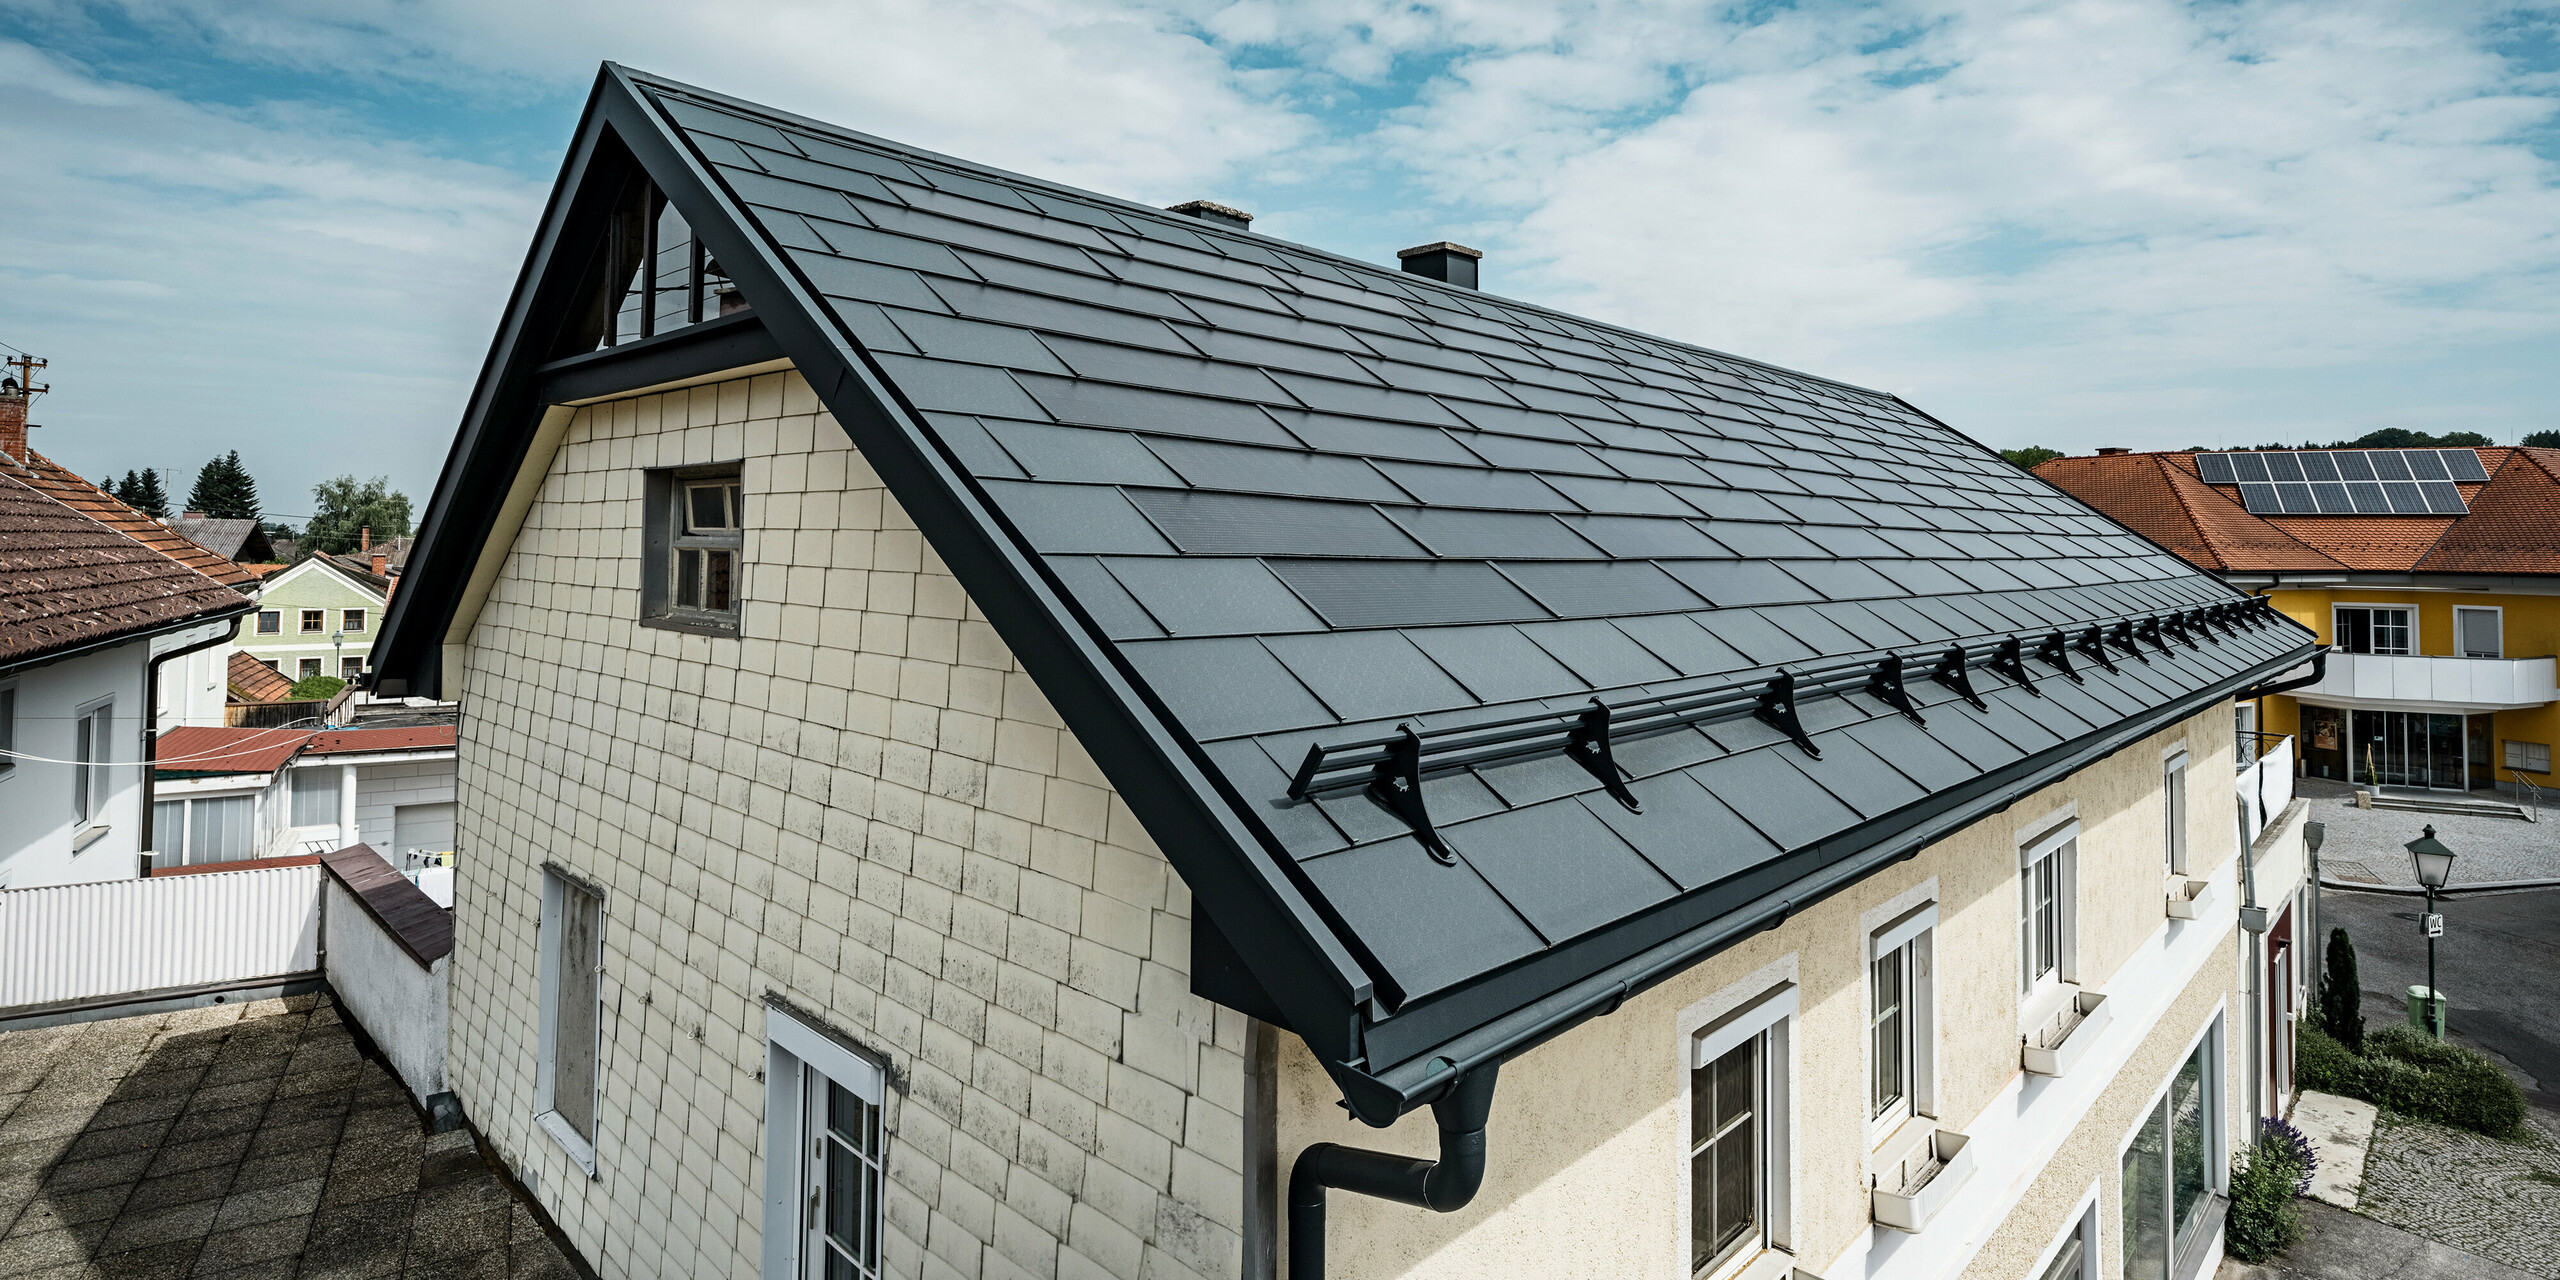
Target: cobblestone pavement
2368,846
245,1140
2494,1198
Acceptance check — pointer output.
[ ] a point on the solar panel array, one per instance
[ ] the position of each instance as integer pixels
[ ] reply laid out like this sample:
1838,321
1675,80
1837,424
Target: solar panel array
2348,482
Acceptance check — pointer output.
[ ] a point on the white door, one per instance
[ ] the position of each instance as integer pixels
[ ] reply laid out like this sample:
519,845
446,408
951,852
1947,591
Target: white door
420,829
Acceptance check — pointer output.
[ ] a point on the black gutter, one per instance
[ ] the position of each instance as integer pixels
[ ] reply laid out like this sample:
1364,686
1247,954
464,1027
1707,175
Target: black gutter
1445,1185
2319,671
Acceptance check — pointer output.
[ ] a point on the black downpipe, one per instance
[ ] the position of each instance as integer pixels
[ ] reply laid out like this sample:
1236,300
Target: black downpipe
1442,1186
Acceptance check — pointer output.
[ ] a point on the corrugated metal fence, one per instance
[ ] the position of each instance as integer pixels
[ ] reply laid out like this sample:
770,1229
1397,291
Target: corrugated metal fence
82,942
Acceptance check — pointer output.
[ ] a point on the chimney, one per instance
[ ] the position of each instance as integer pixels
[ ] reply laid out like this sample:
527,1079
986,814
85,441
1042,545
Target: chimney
191,515
1443,261
1211,211
2109,452
364,538
381,564
13,420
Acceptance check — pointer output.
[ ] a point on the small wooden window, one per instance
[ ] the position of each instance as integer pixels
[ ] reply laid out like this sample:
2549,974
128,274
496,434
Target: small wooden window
694,550
315,621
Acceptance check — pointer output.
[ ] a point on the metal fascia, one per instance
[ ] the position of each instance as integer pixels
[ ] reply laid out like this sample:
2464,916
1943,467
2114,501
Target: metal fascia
1305,967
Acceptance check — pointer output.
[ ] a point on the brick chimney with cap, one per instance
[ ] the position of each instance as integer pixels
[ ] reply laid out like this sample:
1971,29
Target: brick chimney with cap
13,420
1442,260
2109,451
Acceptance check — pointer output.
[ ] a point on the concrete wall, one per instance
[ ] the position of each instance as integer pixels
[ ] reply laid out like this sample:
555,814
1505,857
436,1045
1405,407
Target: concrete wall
36,797
400,1003
864,805
1588,1171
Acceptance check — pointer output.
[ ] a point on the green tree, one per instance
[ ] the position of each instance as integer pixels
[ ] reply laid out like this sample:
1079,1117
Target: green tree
2028,458
2541,440
345,506
224,490
142,492
2341,997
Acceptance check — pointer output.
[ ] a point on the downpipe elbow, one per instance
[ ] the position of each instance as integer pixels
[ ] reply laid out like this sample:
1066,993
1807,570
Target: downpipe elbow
1444,1185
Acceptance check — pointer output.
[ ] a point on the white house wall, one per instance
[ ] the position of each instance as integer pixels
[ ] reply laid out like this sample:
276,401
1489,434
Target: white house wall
36,816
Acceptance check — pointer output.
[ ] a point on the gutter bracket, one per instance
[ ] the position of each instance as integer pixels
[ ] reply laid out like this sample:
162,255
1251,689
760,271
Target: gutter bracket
1397,784
1778,711
2123,638
2095,646
1951,672
2055,652
1589,747
1886,685
2010,660
2150,630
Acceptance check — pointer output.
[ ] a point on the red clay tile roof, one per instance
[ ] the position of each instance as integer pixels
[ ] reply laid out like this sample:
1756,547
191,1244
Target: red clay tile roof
194,749
255,681
67,580
341,741
50,478
2514,525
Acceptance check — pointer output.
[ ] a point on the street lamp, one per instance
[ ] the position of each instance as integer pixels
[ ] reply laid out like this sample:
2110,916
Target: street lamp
2434,864
2315,834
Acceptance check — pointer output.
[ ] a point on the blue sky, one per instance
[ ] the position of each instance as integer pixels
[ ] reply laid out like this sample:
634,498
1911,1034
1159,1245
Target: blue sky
288,229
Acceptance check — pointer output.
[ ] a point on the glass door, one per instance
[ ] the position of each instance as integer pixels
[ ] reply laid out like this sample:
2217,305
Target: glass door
2409,749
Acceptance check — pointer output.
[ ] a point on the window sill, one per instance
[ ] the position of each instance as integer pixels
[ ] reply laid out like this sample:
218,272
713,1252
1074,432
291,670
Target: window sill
725,630
2203,1248
80,843
1766,1264
579,1149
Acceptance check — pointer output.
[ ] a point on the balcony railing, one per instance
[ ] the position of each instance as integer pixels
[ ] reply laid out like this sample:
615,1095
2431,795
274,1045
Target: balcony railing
2265,782
2480,684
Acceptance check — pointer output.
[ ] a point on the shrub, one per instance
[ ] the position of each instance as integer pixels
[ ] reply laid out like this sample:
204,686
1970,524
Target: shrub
2341,996
314,687
2265,1178
2407,1072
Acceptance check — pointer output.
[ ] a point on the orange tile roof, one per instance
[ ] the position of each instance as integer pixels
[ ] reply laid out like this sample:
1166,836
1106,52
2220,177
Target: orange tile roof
194,749
50,478
68,580
2514,525
255,681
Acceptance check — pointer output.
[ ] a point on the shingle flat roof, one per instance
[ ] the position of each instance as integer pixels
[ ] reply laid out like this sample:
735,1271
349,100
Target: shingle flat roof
1291,500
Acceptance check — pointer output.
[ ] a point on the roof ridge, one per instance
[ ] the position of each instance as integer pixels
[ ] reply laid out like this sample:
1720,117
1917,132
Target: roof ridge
2173,475
1206,230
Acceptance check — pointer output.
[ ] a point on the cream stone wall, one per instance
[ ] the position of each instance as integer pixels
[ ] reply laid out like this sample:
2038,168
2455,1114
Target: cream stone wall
1587,1174
863,804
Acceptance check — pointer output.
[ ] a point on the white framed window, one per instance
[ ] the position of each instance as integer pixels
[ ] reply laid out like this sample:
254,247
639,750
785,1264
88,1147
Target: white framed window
2172,1166
351,619
566,1082
2074,1254
1738,1137
92,761
308,668
825,1152
2365,628
2528,757
315,796
315,621
693,548
350,668
1900,1030
205,829
270,622
2480,632
2244,726
2173,810
2048,887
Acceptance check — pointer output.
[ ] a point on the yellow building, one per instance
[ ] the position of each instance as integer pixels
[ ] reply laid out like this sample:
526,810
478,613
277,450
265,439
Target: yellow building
2441,608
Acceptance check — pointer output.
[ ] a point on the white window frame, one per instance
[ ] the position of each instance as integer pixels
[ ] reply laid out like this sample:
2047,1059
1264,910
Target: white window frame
2035,990
2410,609
1908,940
300,675
1767,1015
349,668
2084,1226
2217,1153
313,622
2174,776
93,754
556,883
266,616
2534,758
2463,650
2244,733
797,1052
356,614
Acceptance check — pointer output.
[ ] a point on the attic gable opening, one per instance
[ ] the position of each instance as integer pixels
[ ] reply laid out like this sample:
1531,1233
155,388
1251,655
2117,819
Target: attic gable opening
651,275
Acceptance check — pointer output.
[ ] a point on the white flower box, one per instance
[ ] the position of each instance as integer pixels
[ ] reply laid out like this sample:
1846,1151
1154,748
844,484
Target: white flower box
2189,899
1927,1184
2066,1036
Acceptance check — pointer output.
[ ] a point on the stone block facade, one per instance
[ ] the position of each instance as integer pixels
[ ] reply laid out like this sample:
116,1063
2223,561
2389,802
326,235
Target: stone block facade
862,805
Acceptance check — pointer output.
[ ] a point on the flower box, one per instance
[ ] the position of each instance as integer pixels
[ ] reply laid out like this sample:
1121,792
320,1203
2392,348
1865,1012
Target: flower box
2064,1038
1936,1171
2189,899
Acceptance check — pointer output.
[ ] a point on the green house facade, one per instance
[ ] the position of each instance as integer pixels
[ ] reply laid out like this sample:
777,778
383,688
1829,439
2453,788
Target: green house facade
317,618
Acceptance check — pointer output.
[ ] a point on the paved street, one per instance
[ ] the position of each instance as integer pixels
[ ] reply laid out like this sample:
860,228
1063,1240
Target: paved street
2369,845
2338,1245
2495,961
238,1141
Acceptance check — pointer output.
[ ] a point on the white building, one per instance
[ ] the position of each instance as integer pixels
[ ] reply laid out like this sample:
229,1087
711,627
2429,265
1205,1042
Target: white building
231,795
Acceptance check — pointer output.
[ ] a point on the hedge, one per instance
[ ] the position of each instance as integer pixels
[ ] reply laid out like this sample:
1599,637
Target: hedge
2265,1177
2403,1070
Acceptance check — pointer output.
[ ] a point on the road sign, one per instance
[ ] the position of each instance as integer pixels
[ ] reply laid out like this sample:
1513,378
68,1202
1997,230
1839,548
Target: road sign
2435,924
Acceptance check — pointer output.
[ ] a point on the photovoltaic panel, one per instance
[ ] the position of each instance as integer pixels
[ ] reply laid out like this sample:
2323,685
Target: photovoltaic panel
2425,464
2444,498
2261,499
2354,464
2464,464
2388,465
2333,499
2319,466
2251,467
2283,467
2369,498
2297,499
2406,498
2215,468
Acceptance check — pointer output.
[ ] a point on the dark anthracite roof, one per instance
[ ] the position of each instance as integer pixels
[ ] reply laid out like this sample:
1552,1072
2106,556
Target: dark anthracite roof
1305,500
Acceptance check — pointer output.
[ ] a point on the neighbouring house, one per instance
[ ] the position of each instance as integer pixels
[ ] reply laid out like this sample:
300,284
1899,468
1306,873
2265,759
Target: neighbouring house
105,620
318,618
2430,573
243,541
1003,720
239,794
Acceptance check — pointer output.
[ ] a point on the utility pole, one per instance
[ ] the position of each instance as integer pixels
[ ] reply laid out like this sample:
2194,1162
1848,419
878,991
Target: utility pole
25,367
